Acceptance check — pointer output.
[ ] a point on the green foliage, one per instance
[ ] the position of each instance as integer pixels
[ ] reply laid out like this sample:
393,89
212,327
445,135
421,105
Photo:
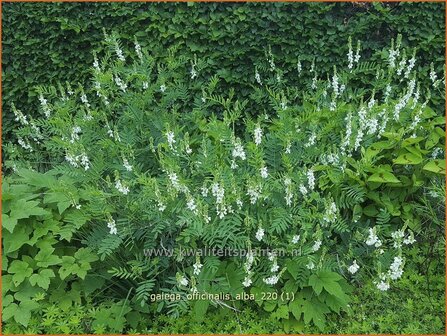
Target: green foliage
333,165
37,263
230,37
410,308
216,177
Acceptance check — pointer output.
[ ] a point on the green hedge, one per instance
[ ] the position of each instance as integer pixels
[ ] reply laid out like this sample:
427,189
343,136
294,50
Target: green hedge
44,43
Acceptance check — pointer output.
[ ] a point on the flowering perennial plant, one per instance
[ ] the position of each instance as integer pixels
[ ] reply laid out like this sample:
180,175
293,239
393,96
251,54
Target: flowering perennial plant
170,162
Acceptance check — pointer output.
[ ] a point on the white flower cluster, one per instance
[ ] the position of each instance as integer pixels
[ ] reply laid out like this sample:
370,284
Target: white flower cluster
258,135
36,135
218,191
78,160
402,64
396,268
384,117
161,206
272,280
335,87
404,100
394,52
19,116
399,238
264,172
330,159
121,188
350,54
332,105
289,193
373,239
197,268
310,265
273,258
100,94
119,52
119,82
317,245
311,179
387,93
434,76
171,139
173,178
193,71
303,190
96,63
288,148
437,152
260,233
127,165
75,131
314,81
247,266
411,64
191,205
24,144
113,134
312,140
295,239
254,192
239,203
357,52
354,267
331,213
181,280
84,100
347,139
258,77
204,191
138,50
45,107
238,150
383,284
112,226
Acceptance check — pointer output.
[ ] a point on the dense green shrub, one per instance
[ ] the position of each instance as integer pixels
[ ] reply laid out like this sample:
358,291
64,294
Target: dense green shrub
47,43
40,215
330,168
411,308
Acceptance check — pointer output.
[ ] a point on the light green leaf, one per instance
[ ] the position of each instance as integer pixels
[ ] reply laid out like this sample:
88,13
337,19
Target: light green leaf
408,158
13,242
42,279
383,177
85,255
24,209
9,311
21,271
8,223
435,166
45,258
22,314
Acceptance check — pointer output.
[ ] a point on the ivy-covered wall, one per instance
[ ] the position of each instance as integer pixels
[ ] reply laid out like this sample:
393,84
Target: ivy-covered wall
44,43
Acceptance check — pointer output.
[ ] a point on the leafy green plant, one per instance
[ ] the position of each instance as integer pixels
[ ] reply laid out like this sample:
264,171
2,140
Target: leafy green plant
40,216
230,37
322,179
